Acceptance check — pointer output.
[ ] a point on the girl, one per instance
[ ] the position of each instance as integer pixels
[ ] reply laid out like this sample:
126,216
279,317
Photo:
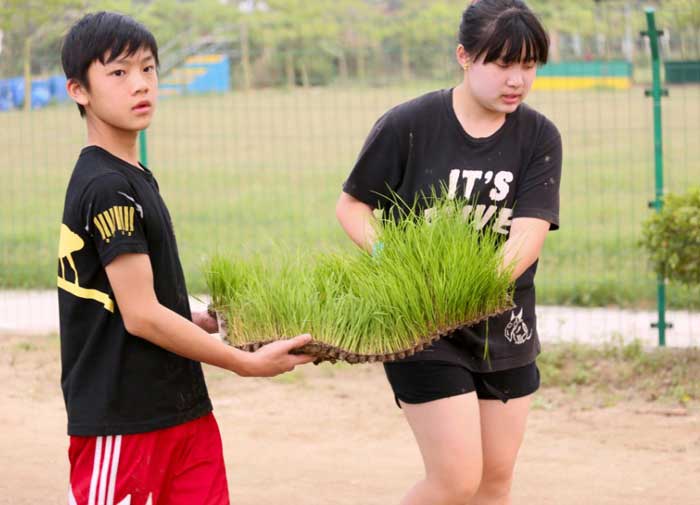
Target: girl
480,142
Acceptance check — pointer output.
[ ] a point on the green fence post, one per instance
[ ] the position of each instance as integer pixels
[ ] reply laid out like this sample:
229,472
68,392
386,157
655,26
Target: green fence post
143,148
656,93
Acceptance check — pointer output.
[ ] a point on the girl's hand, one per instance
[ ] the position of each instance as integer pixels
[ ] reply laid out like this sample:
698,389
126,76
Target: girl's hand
205,321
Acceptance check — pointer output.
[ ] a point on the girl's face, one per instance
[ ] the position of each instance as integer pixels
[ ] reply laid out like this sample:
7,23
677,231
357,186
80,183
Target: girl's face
498,86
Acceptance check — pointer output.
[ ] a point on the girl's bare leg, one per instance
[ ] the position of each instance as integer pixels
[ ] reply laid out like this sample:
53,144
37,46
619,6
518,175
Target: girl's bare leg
449,438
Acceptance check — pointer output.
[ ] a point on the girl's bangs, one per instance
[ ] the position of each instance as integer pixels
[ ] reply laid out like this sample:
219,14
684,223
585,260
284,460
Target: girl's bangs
514,40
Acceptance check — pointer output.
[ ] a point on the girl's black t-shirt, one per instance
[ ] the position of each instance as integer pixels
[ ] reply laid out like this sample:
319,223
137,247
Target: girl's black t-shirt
420,146
114,382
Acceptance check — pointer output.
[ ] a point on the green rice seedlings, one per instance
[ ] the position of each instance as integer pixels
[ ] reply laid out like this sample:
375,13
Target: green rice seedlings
431,276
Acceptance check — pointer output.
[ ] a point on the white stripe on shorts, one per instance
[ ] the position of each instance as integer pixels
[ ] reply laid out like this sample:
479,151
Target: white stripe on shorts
95,470
104,470
71,498
113,470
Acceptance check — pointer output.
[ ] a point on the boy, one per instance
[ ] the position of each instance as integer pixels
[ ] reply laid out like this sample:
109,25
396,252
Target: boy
139,415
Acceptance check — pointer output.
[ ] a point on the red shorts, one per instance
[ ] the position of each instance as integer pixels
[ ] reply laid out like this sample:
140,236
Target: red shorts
182,465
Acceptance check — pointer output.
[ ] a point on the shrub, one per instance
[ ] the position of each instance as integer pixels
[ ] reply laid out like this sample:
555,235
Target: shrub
671,237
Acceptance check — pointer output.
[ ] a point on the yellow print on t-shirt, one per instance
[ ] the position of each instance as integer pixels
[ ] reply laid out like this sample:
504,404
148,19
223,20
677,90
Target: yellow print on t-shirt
69,243
117,219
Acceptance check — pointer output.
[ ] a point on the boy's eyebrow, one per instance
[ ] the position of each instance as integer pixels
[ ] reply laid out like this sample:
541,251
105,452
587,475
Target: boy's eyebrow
127,58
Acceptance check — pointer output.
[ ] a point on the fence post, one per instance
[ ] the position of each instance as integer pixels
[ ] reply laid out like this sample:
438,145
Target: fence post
143,148
656,92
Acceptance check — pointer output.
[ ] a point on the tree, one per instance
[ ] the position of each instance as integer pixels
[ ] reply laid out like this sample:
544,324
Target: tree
301,29
34,24
420,24
565,16
683,16
30,21
358,30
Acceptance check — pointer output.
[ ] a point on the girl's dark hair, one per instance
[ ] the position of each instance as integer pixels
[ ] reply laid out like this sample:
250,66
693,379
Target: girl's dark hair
503,29
103,37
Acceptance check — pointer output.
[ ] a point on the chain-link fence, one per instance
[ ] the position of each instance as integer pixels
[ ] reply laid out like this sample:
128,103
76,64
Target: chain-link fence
258,167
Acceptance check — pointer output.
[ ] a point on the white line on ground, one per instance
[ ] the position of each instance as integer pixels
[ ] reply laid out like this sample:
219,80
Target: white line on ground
36,313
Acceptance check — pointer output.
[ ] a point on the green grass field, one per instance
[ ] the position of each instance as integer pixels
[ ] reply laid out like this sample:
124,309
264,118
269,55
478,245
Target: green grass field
251,173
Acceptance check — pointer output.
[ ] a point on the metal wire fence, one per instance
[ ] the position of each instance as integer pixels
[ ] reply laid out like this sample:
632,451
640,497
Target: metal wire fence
257,168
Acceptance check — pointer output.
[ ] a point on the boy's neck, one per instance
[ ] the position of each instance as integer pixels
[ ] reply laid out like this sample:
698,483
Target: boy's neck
121,143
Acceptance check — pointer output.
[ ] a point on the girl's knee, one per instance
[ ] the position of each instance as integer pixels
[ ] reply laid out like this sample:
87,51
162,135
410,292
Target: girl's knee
455,489
496,480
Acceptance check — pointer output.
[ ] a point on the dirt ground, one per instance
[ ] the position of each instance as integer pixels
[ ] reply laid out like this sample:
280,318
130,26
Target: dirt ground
331,435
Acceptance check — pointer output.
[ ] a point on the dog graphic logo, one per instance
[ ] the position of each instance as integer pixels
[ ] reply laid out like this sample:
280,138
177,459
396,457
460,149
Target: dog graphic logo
69,243
517,331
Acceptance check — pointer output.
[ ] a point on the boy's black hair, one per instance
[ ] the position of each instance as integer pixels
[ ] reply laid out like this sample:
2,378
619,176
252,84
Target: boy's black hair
504,30
103,37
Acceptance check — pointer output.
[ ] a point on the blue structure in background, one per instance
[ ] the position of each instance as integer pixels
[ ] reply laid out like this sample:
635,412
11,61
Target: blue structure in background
203,73
44,91
57,84
11,93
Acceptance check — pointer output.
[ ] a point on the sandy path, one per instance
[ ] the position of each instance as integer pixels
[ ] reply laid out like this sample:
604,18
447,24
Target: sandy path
330,435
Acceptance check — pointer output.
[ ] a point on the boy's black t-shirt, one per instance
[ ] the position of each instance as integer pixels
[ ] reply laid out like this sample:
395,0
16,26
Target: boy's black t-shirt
420,145
114,382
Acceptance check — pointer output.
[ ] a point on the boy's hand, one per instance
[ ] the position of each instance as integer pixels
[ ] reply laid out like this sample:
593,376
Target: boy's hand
274,359
205,321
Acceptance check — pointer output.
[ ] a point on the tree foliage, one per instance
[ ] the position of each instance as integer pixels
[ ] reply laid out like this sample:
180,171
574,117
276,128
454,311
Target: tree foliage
299,41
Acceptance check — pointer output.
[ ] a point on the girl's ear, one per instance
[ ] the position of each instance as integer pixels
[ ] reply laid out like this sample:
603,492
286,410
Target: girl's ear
463,57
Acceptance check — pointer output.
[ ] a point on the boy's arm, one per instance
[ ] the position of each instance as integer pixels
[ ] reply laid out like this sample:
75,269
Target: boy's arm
524,244
357,219
131,278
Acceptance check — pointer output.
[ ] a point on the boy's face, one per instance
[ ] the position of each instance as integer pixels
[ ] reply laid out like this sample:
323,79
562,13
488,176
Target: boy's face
122,93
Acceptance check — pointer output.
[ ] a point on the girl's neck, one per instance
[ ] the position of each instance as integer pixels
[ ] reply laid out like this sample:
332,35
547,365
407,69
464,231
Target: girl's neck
475,119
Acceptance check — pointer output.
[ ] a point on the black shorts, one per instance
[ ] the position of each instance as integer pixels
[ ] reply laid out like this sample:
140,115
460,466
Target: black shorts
425,381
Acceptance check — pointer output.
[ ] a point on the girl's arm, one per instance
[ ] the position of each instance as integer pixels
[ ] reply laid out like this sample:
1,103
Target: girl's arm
357,220
524,244
522,248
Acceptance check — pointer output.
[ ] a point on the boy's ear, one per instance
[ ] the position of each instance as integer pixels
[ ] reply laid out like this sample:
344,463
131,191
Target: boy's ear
77,92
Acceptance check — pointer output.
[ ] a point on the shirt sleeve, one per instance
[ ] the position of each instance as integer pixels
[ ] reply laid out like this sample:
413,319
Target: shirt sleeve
113,218
380,166
538,193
